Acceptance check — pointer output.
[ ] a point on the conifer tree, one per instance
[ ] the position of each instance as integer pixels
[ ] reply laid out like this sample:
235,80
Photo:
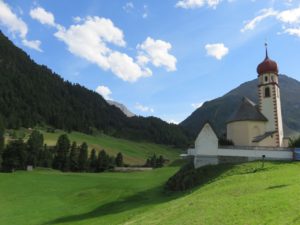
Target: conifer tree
102,161
46,157
93,161
74,154
83,157
34,147
14,156
119,159
61,159
2,130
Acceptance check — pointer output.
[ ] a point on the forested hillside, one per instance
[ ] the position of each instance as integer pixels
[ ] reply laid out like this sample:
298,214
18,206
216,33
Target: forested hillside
31,94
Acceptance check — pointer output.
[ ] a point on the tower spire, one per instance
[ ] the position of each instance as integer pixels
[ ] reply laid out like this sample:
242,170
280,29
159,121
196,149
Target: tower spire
266,46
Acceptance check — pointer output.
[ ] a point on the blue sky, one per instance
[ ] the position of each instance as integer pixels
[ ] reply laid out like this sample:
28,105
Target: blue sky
161,58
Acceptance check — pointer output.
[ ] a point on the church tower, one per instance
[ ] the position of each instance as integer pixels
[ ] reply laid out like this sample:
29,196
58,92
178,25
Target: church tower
269,98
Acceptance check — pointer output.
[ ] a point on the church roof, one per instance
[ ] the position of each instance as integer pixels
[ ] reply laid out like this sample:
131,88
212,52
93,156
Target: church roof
267,66
247,111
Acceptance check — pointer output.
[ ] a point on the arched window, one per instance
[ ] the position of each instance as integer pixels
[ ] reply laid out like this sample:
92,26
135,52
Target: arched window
267,92
266,78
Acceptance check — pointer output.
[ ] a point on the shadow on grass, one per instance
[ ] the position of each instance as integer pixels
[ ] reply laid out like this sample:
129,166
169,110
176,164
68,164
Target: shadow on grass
278,186
148,197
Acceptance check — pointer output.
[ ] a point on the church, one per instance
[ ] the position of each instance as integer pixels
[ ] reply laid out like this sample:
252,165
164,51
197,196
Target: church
255,130
260,125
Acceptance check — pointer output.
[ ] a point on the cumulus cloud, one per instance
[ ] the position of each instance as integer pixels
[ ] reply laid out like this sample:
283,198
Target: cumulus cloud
263,14
16,25
197,105
89,40
156,52
104,91
143,108
291,16
192,4
217,50
42,16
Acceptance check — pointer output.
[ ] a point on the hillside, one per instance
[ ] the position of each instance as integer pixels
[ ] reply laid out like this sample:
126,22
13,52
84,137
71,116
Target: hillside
31,94
217,111
240,194
134,153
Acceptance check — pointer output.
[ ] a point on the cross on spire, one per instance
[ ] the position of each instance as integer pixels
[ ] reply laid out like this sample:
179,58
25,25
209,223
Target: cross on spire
266,46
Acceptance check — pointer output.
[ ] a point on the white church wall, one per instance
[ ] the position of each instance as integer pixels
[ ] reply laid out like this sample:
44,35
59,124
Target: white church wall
207,141
243,132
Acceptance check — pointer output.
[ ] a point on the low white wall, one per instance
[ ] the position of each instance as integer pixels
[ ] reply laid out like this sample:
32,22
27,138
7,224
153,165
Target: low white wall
257,154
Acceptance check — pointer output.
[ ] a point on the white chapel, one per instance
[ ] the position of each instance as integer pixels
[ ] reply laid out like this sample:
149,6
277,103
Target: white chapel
255,130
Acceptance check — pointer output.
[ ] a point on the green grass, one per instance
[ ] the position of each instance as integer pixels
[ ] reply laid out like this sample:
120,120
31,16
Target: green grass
241,194
134,153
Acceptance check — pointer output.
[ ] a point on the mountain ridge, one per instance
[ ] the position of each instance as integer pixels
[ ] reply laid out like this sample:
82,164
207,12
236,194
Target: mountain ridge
218,110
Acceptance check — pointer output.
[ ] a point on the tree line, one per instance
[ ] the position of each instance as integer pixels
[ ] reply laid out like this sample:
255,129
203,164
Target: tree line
64,156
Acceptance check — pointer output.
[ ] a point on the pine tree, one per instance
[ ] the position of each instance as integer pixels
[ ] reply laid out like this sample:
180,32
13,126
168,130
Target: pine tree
46,157
83,157
93,161
102,161
119,159
2,130
34,147
74,154
160,161
61,159
14,156
153,161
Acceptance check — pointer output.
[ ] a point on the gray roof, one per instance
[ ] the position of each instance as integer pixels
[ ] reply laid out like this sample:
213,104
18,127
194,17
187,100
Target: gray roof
263,136
247,111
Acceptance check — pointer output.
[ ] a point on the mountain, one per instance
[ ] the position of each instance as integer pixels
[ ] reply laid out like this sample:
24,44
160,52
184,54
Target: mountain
31,94
122,107
217,111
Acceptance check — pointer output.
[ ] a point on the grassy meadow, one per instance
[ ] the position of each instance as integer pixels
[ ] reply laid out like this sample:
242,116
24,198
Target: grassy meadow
134,153
242,194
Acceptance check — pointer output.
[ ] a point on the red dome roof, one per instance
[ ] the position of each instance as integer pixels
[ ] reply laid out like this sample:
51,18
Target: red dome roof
267,66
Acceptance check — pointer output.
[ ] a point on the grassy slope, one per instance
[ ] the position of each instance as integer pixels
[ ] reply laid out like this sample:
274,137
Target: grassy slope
237,196
133,152
48,197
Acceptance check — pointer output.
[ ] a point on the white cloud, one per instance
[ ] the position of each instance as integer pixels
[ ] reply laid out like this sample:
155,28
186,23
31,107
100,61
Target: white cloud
156,52
143,108
32,44
171,121
192,4
197,105
290,16
104,91
42,16
11,21
125,68
264,13
89,40
128,7
290,20
16,25
217,50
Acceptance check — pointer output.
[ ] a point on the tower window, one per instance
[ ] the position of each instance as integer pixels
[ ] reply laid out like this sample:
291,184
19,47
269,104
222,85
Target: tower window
266,78
267,92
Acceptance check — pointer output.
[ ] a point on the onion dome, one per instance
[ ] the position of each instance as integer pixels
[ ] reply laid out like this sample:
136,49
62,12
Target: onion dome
267,66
